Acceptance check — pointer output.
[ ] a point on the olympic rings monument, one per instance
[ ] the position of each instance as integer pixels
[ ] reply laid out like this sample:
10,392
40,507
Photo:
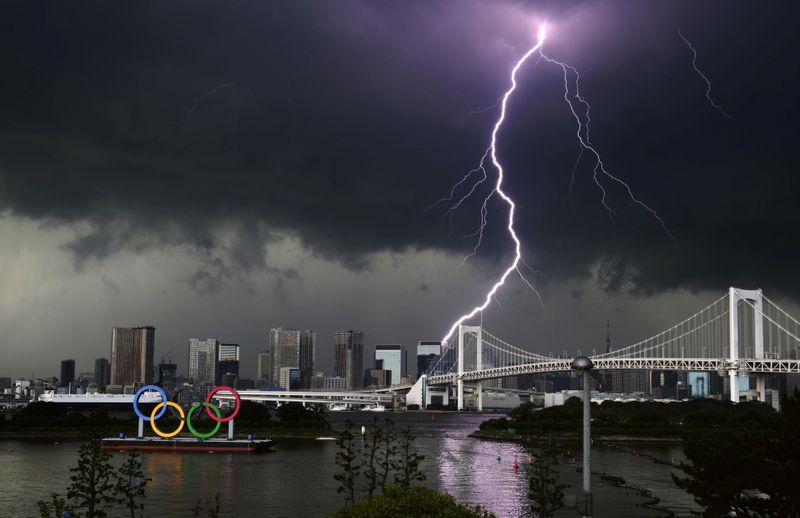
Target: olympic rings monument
172,441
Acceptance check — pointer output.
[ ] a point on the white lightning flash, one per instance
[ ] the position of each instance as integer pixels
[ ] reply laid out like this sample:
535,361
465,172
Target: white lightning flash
582,133
585,144
703,76
492,152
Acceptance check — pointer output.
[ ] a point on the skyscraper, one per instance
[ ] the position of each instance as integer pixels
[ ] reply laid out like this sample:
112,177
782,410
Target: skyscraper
102,373
292,348
349,357
132,351
307,340
203,361
427,355
67,373
228,361
393,358
264,374
284,343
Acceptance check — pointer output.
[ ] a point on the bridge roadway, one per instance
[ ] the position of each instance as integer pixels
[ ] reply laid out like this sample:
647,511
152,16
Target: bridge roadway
743,366
287,396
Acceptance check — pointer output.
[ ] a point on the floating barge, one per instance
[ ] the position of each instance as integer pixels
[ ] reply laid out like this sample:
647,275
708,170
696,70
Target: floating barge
189,444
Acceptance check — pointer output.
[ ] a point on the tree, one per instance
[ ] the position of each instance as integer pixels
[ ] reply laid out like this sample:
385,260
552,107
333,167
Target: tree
295,414
416,502
55,508
91,485
372,440
386,453
253,414
130,483
747,462
346,460
544,489
212,509
408,461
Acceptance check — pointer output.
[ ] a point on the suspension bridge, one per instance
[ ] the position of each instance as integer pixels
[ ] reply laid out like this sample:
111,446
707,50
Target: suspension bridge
743,333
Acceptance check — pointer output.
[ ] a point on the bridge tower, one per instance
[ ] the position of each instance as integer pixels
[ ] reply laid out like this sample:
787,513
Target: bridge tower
462,329
756,298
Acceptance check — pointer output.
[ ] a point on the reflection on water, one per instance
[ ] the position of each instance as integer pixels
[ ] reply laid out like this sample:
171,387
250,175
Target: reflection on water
481,472
296,480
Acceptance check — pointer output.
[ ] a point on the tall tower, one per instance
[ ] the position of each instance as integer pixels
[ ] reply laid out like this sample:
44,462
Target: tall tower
228,362
132,350
307,341
264,373
284,343
349,357
67,373
102,373
203,363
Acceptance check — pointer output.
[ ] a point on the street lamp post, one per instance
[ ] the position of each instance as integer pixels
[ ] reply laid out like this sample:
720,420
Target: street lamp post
584,364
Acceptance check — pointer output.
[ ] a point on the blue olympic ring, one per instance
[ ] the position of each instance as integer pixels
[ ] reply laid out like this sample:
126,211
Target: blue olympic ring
142,391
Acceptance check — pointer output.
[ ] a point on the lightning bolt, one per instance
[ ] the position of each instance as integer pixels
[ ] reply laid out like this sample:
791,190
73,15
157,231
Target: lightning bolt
582,134
498,189
584,140
703,76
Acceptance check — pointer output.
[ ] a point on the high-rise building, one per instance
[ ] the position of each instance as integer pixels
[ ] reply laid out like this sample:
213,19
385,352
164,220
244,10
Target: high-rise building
393,358
228,363
67,373
349,357
264,370
102,373
307,341
132,351
203,361
284,343
292,348
427,355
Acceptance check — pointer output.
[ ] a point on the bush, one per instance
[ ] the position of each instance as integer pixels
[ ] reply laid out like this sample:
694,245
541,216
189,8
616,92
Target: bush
416,502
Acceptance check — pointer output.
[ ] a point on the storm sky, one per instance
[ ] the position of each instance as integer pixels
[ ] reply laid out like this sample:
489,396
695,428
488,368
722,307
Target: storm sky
215,169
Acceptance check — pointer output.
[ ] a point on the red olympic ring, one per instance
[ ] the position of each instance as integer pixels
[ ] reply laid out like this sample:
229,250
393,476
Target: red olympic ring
235,397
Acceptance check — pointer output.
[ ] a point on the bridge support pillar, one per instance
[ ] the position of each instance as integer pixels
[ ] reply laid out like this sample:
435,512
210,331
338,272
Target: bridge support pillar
733,338
734,384
460,360
479,393
140,431
734,296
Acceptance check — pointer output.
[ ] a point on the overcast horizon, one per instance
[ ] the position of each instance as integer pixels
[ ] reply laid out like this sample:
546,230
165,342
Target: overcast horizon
221,169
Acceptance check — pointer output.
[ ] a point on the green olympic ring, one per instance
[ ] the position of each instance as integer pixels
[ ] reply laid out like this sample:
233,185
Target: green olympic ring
189,420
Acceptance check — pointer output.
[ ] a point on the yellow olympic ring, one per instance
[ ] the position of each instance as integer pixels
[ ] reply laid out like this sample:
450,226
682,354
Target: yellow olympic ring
174,405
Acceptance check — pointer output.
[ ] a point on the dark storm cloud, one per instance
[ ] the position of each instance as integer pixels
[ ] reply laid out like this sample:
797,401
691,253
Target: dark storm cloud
160,123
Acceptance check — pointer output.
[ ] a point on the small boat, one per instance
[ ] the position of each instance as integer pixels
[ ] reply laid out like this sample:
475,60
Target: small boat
338,407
